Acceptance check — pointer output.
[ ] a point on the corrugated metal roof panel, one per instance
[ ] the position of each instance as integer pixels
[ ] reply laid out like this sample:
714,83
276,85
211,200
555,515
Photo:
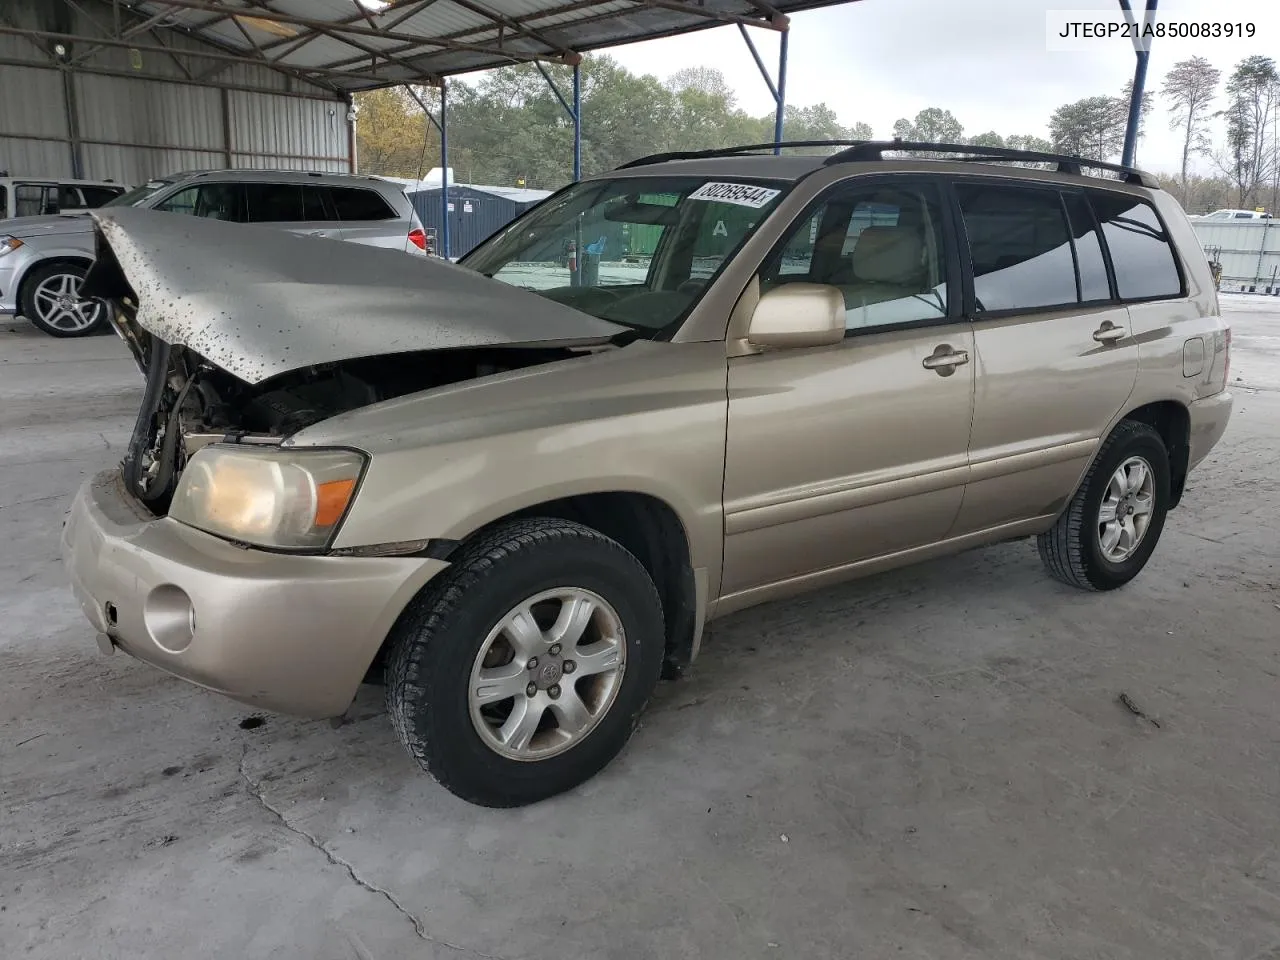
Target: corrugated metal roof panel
530,29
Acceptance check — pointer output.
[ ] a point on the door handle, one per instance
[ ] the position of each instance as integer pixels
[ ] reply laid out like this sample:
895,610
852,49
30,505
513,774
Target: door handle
944,360
1109,333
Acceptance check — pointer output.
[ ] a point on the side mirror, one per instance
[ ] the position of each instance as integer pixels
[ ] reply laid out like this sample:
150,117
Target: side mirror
798,315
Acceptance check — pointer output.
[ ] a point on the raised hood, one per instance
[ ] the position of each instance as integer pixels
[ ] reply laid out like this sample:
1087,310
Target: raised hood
259,302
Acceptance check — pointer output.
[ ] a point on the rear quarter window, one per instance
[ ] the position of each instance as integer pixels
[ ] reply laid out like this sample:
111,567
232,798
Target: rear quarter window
358,203
97,196
1141,253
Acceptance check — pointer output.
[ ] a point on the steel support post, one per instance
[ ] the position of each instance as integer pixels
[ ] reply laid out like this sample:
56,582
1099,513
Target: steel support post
779,90
577,122
781,95
1143,52
444,172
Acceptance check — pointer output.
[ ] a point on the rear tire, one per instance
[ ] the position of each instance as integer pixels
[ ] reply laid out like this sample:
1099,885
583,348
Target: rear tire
51,301
452,637
1091,546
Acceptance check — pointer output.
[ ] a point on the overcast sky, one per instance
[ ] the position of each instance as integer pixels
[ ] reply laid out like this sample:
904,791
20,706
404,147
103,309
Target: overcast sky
984,60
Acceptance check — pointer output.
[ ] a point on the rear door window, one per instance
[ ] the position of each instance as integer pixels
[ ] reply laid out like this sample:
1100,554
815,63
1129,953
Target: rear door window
1020,247
314,206
356,203
1141,254
69,197
1090,263
274,202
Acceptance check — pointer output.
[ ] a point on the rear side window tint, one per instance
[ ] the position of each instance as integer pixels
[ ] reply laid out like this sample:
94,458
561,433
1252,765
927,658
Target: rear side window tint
97,196
353,203
313,205
1089,262
273,202
1141,254
1020,247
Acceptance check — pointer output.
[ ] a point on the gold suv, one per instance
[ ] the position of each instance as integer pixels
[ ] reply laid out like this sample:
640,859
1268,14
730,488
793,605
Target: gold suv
515,488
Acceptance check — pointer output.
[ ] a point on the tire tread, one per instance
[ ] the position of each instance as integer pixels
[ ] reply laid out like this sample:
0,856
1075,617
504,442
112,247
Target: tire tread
1062,547
406,697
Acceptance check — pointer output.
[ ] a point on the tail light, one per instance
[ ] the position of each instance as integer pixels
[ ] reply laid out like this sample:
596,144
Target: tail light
1226,363
418,238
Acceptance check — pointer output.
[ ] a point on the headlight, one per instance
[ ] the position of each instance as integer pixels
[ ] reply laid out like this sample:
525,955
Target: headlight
287,499
8,244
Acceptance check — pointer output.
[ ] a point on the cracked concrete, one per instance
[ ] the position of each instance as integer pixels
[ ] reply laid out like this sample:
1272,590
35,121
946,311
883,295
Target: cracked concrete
943,748
256,789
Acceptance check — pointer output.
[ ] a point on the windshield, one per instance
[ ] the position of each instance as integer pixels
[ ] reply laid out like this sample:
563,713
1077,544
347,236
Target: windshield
138,194
637,251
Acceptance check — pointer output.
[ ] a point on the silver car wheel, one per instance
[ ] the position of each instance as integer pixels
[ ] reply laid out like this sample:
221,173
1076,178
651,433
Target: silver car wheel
1127,506
57,301
547,674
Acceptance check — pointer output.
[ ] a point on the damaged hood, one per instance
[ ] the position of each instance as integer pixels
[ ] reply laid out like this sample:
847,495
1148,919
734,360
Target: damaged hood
260,302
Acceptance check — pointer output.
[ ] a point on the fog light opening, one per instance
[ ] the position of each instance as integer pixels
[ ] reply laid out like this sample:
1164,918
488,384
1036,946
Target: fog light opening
170,618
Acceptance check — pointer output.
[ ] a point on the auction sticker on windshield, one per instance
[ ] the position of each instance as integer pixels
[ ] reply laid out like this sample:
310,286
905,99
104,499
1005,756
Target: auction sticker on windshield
743,194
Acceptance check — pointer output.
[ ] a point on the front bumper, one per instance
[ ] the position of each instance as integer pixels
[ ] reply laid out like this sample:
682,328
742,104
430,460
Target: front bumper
9,274
289,633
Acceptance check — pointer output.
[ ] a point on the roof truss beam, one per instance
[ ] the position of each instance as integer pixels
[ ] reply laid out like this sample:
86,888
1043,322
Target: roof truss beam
344,30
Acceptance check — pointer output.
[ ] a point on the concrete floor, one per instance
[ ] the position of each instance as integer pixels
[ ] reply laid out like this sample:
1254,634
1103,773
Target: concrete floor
928,764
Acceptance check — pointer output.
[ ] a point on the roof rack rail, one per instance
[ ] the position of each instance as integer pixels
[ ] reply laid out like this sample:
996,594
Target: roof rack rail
874,150
734,151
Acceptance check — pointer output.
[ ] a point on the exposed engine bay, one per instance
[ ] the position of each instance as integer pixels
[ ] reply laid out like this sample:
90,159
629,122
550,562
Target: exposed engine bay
243,338
189,402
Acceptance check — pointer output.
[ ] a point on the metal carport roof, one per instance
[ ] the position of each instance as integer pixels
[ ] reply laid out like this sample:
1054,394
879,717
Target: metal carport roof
352,45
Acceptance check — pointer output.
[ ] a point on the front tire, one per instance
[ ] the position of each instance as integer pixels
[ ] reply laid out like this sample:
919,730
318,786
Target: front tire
1112,525
522,670
51,301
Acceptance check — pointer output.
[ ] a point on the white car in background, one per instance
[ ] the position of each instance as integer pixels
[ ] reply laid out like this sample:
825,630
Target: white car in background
1232,214
39,196
43,259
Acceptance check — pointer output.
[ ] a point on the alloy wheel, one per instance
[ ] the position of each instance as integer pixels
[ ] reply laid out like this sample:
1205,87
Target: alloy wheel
1126,510
58,303
547,674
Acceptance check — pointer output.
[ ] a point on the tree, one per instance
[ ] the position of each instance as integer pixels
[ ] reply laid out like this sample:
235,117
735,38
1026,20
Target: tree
931,125
988,139
390,129
1092,128
1026,141
818,122
861,131
1249,158
1189,89
1122,115
706,79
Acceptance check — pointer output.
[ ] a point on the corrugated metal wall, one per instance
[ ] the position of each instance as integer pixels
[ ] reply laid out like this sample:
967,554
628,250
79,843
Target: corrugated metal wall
133,124
1248,250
